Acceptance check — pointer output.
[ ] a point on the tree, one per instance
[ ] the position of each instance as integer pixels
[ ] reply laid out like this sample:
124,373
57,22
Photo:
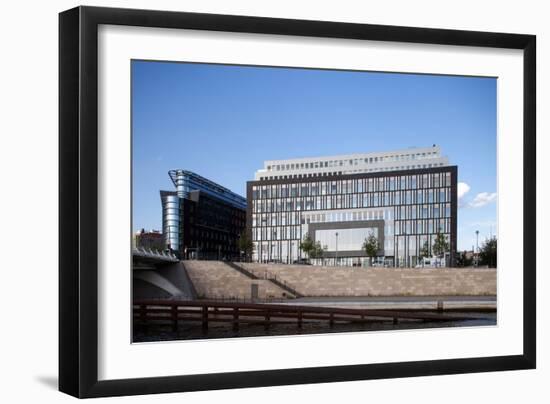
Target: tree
462,259
245,245
318,251
371,246
488,252
311,248
307,245
441,246
424,252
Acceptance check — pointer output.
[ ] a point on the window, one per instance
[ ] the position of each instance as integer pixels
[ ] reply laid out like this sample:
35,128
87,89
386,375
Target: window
424,212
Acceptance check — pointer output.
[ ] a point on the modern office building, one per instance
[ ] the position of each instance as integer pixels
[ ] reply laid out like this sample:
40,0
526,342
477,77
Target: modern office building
201,219
404,198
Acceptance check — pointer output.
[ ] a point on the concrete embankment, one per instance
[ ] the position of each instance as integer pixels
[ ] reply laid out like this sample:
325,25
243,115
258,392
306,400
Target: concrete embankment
316,281
215,279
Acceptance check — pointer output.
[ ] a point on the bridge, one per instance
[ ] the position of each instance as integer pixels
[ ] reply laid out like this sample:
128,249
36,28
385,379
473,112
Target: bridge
160,275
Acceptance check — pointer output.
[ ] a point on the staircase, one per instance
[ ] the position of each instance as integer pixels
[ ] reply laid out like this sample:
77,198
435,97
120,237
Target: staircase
270,277
285,286
243,271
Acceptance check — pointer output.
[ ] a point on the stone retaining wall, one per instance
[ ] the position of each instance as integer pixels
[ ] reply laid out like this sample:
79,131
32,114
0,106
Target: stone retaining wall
215,280
357,281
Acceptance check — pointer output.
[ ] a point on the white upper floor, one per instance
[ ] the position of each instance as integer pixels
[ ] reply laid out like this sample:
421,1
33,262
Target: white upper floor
406,159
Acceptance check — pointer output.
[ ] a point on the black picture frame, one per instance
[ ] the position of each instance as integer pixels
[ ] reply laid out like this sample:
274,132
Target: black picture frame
78,196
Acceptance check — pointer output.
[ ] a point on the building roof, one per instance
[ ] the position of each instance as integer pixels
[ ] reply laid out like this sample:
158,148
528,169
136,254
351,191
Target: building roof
418,157
194,182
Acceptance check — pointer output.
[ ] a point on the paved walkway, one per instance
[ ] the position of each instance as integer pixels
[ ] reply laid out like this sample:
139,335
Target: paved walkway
401,302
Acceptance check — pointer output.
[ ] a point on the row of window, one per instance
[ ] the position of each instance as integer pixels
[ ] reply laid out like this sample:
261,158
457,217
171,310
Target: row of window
355,161
352,201
276,233
427,211
434,226
350,171
212,235
347,216
359,185
400,227
187,182
400,247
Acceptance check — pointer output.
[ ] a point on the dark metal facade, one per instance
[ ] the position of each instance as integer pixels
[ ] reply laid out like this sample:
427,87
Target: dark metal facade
201,219
211,227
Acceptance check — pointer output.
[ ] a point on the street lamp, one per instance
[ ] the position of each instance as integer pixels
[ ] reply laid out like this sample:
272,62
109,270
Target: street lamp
477,248
336,249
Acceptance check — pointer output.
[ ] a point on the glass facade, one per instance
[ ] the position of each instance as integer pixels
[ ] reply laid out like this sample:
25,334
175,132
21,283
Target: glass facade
414,205
187,181
171,213
347,239
201,219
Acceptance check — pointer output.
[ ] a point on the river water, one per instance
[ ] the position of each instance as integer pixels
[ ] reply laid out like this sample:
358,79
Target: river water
193,331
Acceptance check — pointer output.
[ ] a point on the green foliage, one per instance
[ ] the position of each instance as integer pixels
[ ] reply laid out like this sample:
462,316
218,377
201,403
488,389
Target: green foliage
318,251
488,252
245,244
307,245
462,260
371,246
441,246
311,248
425,250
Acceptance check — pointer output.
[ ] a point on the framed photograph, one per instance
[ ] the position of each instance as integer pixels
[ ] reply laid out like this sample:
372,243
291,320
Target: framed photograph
250,201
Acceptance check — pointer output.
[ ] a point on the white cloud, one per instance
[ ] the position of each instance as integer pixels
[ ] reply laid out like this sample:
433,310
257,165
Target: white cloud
484,223
462,189
482,199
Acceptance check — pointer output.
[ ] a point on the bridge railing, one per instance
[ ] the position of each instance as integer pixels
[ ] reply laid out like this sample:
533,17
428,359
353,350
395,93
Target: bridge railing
155,254
149,312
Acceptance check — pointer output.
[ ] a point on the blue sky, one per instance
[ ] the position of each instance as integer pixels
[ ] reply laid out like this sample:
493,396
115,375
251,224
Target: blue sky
223,121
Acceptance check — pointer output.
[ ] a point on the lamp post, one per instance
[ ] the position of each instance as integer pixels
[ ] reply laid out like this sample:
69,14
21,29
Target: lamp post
336,263
477,247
